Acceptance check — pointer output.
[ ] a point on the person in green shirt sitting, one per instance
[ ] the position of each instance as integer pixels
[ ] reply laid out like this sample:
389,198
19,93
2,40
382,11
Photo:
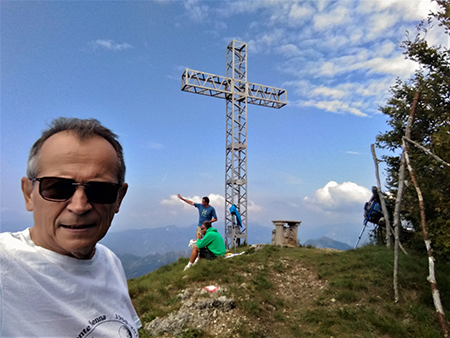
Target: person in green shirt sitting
210,247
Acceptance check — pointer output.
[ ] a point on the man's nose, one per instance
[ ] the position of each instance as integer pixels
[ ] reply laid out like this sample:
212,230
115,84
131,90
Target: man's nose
79,202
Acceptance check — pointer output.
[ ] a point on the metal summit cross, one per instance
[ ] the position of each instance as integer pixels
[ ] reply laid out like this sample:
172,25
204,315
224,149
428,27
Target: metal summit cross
237,92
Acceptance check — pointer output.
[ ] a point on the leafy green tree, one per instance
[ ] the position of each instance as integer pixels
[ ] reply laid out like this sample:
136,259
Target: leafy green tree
431,129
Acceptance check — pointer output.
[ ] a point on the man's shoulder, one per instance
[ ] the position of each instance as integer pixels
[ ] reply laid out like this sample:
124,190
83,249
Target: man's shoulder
104,251
8,238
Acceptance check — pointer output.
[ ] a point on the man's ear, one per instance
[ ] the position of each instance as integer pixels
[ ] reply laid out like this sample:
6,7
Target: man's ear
27,190
122,193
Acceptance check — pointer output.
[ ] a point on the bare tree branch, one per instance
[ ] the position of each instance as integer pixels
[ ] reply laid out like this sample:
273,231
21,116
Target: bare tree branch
432,277
401,183
426,151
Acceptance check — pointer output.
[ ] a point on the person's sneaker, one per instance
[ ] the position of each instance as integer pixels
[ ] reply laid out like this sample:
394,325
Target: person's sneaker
187,266
196,260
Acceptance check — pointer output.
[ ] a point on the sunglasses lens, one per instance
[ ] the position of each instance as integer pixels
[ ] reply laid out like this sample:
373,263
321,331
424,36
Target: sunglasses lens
102,192
56,189
61,189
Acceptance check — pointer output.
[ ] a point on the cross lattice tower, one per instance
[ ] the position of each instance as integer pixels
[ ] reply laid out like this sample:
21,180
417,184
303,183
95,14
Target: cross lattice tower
237,92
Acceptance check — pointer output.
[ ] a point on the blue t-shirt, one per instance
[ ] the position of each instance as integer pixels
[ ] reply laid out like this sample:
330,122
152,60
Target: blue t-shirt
205,214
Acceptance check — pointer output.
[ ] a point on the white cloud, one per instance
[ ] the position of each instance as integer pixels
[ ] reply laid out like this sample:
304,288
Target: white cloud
289,50
338,16
387,48
196,10
298,14
266,41
374,88
332,92
216,200
335,196
173,200
404,10
379,23
252,207
110,45
396,66
335,106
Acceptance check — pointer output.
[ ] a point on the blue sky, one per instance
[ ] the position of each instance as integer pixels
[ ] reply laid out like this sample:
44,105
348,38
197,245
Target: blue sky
121,63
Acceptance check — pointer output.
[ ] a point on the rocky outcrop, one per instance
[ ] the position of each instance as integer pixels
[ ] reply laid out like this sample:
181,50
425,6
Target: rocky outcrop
195,312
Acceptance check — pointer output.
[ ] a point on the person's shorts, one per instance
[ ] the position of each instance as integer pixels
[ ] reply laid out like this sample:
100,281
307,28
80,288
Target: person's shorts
207,254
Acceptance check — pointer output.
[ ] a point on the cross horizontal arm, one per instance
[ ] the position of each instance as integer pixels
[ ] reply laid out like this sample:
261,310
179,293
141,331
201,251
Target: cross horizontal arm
266,96
206,84
218,86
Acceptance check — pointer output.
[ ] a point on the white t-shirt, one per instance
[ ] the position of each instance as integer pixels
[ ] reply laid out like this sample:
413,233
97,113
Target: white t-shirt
45,294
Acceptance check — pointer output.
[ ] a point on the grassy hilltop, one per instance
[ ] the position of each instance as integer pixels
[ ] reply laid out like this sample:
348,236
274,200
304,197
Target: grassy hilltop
296,292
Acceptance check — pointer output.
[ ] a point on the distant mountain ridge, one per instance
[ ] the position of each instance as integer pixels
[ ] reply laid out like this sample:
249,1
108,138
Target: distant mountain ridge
144,250
135,266
144,242
325,242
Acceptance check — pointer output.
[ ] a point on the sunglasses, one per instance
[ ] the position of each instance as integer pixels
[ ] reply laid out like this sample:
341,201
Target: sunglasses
58,189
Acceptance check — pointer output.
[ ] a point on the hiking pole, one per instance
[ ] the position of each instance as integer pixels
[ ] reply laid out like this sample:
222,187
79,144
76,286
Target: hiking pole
360,235
365,224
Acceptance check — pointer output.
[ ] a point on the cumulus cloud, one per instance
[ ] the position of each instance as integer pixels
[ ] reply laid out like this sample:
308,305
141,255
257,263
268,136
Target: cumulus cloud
110,45
216,200
177,207
334,196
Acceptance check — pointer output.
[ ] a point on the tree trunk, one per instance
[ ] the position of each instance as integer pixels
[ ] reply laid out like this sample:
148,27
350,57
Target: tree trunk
431,278
401,177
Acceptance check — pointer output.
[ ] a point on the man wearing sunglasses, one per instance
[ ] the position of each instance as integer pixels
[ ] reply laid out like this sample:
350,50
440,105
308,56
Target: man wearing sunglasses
56,281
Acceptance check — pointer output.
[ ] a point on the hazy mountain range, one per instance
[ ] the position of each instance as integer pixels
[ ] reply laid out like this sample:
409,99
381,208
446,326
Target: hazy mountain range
142,251
325,242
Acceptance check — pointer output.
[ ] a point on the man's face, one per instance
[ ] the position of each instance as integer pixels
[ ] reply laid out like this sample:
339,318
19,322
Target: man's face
73,227
204,202
203,230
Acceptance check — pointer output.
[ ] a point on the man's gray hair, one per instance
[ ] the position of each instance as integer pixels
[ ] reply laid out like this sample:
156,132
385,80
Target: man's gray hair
83,129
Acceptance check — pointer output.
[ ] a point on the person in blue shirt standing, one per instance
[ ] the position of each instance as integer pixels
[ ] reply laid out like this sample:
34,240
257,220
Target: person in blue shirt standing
205,211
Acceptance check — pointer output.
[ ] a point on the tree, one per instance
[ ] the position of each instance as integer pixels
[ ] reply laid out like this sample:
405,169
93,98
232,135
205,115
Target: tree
431,129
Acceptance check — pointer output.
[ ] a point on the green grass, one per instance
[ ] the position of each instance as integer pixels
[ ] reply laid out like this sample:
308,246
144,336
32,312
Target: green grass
355,300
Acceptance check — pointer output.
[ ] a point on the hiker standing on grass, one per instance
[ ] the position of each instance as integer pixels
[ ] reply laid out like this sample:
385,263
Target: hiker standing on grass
205,211
210,247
